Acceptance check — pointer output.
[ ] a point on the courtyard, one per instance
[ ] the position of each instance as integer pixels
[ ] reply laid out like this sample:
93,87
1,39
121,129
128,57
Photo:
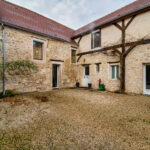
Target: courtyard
76,119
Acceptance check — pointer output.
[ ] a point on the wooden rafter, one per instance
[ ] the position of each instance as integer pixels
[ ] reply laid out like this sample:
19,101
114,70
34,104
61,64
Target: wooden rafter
79,40
118,26
130,22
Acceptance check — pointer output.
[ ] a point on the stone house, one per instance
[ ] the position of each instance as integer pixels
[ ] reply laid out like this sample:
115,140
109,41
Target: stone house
114,49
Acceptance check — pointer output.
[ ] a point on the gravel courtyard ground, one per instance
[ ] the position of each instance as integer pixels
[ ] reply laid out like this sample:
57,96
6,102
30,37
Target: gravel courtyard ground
75,119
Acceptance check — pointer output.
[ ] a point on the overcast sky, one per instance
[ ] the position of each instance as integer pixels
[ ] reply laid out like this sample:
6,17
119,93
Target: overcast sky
73,13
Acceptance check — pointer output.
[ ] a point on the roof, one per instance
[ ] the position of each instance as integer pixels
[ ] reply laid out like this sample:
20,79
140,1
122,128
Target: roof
22,18
135,6
12,14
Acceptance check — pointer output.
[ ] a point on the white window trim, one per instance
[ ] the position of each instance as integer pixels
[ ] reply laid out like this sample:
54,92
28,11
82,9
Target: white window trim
38,40
73,48
56,62
97,48
114,64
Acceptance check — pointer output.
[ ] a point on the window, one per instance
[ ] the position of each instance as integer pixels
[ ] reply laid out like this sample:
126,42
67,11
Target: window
37,50
95,40
73,56
114,72
98,67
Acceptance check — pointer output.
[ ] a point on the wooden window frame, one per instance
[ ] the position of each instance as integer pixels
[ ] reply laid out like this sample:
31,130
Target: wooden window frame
92,40
39,41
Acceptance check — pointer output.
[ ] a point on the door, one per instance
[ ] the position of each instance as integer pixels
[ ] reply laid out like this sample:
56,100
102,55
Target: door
147,79
86,74
55,76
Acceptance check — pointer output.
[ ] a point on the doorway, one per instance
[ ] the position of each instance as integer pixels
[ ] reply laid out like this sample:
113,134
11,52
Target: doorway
86,75
56,75
147,79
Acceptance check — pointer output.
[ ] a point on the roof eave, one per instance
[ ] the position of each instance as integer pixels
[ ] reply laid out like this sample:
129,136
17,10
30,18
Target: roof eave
35,32
125,16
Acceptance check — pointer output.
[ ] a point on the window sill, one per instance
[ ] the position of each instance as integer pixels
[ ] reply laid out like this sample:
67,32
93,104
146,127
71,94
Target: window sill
114,79
94,49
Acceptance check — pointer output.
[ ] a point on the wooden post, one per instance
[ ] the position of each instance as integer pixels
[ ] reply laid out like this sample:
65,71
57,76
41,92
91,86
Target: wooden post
122,60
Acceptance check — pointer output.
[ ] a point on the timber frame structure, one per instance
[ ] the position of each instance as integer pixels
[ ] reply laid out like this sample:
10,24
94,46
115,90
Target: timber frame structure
123,53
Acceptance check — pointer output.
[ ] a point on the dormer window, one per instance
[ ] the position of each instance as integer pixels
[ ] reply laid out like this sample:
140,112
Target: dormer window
95,40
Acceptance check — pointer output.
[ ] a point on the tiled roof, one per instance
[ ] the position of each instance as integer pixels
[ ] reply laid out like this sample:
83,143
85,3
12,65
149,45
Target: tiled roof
17,16
138,4
24,18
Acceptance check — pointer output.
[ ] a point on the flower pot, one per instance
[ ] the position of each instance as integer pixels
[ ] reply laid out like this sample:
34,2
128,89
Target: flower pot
102,87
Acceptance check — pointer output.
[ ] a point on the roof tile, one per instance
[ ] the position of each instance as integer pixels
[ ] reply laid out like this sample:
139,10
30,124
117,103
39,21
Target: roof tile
24,18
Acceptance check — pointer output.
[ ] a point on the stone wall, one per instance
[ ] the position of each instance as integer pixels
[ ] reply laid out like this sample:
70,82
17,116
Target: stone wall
135,61
104,74
19,46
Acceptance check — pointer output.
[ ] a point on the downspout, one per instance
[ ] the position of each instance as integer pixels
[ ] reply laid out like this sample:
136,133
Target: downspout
3,49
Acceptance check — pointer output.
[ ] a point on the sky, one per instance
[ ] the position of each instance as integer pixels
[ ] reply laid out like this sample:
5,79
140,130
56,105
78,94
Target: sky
73,13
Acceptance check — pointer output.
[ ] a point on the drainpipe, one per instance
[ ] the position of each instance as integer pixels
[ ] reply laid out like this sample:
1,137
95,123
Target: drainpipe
3,49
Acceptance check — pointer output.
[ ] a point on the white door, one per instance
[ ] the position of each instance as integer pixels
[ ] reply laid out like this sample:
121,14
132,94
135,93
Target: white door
146,80
86,75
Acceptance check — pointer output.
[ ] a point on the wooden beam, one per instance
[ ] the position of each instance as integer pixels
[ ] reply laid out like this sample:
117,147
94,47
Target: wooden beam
98,63
117,51
56,60
79,58
118,26
85,64
122,59
129,50
130,22
133,46
113,62
79,40
147,41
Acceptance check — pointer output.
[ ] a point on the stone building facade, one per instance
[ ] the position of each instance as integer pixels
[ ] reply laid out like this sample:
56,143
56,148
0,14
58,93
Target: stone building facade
99,66
19,46
135,61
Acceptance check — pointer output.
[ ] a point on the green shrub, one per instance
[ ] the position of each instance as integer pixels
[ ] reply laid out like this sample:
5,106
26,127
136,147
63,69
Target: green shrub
20,67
